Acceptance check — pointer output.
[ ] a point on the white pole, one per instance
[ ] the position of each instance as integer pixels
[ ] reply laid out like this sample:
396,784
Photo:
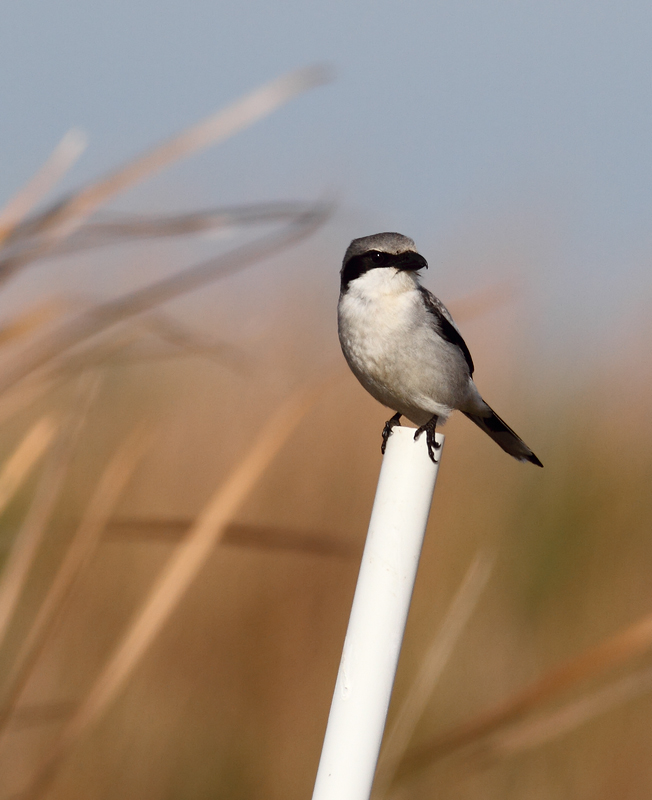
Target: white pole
378,616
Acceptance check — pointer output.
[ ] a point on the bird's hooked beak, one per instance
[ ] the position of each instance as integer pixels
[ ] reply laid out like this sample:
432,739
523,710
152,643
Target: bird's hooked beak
410,262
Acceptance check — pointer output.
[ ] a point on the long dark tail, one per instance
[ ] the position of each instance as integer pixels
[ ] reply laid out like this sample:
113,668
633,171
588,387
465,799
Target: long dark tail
504,436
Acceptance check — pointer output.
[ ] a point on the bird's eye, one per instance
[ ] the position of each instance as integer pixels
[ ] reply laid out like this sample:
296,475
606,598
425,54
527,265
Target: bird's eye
376,255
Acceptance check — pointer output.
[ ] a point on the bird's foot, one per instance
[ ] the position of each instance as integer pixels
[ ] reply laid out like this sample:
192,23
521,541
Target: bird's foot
431,441
387,430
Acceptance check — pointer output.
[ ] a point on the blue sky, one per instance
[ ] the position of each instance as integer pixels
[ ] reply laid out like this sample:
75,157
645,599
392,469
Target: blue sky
490,129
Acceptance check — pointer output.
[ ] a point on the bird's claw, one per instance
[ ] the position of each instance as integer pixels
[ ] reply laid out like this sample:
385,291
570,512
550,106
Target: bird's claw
431,441
387,430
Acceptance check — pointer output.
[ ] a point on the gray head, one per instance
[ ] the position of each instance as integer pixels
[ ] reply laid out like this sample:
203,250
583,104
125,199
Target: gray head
380,251
393,243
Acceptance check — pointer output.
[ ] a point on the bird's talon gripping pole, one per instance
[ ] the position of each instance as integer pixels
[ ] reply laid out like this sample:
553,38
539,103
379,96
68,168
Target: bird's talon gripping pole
431,439
387,430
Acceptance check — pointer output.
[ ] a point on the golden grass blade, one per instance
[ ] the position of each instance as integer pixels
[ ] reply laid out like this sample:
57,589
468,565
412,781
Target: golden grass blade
24,458
263,537
18,398
30,534
94,355
30,716
66,216
63,157
457,617
29,321
105,315
111,485
216,128
545,728
625,645
176,578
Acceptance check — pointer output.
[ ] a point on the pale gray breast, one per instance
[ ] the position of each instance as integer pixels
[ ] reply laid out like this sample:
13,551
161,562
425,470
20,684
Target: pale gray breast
394,350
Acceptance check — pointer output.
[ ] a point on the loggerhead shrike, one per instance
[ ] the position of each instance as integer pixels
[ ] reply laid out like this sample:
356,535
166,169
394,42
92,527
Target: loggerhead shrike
403,346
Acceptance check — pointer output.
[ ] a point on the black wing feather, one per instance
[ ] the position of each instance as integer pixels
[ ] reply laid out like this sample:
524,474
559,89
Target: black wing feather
445,328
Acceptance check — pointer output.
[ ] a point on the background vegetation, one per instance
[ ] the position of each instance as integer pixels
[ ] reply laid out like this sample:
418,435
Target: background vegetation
185,488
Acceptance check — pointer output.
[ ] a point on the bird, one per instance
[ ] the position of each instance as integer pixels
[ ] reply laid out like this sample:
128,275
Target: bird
401,343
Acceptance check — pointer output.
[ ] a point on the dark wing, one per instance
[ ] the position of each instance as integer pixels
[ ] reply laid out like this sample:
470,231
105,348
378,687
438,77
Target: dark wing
444,324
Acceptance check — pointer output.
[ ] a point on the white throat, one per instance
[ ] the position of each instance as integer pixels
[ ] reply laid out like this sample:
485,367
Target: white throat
377,283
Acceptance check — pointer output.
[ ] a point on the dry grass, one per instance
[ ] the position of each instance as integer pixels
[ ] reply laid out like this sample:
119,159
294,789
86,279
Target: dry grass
399,735
37,518
164,638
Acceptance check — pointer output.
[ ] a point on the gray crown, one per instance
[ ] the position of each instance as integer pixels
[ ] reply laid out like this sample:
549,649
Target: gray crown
384,242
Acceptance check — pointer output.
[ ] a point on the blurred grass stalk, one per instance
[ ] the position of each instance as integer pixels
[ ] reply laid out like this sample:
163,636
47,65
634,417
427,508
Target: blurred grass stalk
614,651
237,534
36,237
46,495
60,161
61,219
23,241
25,457
112,483
106,315
175,579
434,662
546,727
